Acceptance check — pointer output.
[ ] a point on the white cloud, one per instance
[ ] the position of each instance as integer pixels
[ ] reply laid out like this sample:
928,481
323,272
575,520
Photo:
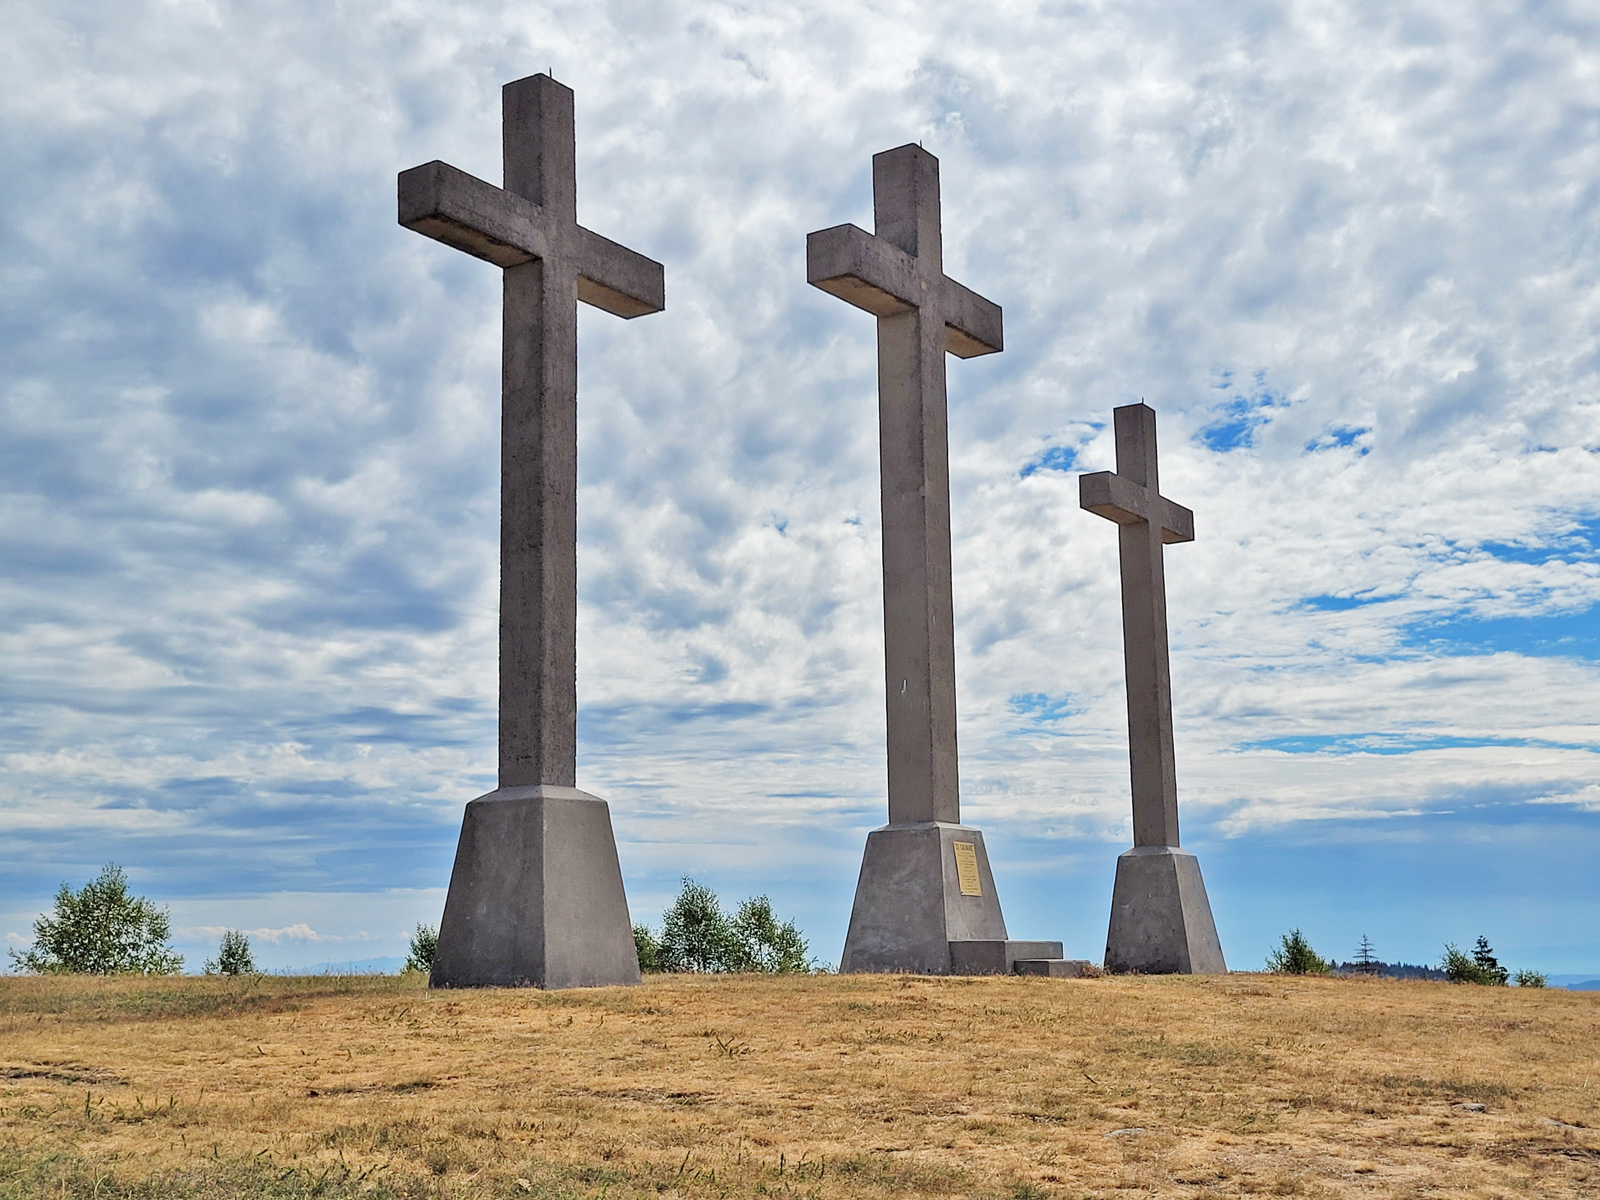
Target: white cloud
248,425
299,932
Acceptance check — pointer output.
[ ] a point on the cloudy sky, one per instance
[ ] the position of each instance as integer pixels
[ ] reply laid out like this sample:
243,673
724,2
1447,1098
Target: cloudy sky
249,444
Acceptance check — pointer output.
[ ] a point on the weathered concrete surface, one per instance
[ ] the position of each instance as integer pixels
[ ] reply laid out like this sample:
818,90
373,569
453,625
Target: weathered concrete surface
996,957
909,907
1054,968
1146,522
536,895
530,229
897,274
1160,916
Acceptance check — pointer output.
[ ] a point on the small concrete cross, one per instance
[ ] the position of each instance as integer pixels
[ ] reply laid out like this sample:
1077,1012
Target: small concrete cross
530,228
898,276
1146,520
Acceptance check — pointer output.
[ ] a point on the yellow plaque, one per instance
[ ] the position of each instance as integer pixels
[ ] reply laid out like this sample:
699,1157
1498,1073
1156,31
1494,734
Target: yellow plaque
967,868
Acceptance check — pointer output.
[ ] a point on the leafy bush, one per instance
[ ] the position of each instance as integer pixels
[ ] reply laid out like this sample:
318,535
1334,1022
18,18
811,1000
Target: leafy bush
233,956
101,930
1479,967
1458,966
697,935
1526,978
647,947
424,945
1296,957
765,945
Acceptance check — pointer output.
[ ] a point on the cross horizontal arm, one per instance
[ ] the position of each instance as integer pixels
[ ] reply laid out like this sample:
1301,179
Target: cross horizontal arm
972,325
848,262
1117,498
463,211
619,280
1177,522
866,271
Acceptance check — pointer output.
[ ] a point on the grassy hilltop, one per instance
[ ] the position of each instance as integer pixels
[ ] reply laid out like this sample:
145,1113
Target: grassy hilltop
825,1086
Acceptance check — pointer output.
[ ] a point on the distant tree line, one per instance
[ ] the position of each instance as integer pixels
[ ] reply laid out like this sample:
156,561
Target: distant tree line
1295,956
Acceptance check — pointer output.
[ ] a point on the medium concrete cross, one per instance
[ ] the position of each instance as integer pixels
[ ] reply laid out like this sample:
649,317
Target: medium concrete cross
898,276
530,228
1147,520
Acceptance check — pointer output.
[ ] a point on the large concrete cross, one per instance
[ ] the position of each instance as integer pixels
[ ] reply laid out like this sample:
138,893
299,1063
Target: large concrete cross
925,900
536,893
1146,522
1160,915
898,276
530,228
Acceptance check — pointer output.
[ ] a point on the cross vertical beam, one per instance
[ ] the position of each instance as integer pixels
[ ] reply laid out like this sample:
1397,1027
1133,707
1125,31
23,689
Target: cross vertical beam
1145,522
539,452
914,482
530,229
897,274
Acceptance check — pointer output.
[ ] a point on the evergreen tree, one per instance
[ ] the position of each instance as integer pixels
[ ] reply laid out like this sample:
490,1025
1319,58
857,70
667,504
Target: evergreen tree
1483,956
1366,961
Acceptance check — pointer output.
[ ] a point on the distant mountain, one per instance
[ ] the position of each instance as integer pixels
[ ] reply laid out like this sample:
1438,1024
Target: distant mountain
1587,982
365,966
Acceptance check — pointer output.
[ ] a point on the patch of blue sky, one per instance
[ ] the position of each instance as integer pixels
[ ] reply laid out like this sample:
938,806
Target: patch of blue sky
1571,634
1239,413
1580,543
1052,458
1343,603
1039,708
1340,437
1392,743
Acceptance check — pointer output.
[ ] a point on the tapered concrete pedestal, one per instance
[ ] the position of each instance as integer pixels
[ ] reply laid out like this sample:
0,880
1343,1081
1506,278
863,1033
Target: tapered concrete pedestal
536,895
909,903
1160,917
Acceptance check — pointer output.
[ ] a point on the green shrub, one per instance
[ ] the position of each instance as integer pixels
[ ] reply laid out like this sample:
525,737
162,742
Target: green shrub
1458,966
1493,973
648,948
233,956
766,945
1479,967
1296,957
424,945
1526,978
697,935
101,930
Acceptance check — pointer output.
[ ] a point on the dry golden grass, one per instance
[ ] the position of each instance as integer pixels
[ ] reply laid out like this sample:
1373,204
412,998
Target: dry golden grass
825,1086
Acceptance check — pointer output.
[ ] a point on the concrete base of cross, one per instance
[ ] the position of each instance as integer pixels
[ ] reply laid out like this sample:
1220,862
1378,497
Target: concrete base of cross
911,903
1160,917
536,896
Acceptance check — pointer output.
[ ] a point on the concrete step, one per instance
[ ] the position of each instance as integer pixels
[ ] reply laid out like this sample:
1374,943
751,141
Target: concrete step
1055,968
995,956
